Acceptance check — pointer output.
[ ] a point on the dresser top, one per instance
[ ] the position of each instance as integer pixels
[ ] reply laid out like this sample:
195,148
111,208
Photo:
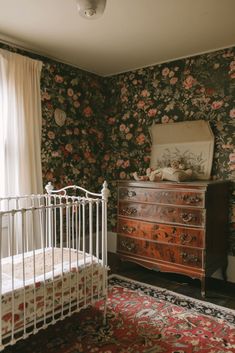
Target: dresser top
198,184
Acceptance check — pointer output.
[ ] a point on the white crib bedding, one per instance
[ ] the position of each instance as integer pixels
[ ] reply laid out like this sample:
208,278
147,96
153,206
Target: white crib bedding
64,260
67,282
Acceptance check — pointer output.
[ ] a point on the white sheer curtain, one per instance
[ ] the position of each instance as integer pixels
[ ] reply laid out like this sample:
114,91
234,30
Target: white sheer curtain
20,125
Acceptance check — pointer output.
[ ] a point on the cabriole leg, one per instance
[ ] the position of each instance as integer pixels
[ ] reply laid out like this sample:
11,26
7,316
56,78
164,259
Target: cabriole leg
224,271
105,312
203,287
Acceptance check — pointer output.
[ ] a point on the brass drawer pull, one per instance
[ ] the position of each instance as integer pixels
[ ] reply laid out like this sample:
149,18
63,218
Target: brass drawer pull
129,211
189,258
192,200
188,217
127,193
195,199
186,238
128,246
131,193
128,230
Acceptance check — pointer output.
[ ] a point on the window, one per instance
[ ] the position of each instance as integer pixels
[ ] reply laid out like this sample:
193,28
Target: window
20,122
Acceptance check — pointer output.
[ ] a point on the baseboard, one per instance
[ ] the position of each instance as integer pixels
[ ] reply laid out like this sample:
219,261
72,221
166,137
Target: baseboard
112,242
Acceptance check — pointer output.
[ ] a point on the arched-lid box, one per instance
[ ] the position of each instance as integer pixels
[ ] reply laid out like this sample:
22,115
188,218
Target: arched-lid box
191,143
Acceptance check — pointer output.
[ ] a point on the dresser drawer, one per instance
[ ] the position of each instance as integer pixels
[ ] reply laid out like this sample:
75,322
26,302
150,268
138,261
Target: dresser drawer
176,197
163,214
163,252
193,237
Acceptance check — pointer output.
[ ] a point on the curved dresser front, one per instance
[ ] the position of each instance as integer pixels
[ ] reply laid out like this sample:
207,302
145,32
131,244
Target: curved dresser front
174,227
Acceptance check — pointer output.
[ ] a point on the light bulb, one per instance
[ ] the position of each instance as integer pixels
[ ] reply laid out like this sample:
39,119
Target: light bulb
89,12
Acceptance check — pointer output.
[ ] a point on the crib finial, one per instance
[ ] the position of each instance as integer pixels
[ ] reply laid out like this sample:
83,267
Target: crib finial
105,191
49,187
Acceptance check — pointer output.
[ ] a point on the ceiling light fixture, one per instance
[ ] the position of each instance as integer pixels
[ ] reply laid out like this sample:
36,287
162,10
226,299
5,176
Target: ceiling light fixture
91,9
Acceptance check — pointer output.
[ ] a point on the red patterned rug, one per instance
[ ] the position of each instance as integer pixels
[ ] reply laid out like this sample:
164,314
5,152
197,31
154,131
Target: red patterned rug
140,318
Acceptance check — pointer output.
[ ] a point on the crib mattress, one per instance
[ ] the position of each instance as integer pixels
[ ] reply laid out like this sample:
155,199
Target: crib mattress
70,277
54,261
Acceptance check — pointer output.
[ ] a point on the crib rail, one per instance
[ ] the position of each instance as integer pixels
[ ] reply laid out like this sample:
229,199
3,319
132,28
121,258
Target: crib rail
53,251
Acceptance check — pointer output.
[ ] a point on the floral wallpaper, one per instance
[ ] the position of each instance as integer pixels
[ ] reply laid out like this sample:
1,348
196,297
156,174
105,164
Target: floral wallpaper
201,87
97,128
73,131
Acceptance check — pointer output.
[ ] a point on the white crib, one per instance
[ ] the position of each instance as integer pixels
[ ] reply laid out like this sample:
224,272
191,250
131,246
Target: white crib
53,251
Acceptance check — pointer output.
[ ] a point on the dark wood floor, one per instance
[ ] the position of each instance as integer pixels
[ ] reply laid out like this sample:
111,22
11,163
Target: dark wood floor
217,291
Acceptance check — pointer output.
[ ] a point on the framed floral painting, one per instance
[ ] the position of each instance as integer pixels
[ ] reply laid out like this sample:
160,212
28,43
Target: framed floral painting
190,143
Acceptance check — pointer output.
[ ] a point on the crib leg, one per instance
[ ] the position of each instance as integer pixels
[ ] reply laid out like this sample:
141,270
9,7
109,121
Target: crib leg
105,312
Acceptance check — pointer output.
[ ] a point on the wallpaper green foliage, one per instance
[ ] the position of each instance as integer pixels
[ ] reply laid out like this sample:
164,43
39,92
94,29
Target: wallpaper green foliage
201,87
98,128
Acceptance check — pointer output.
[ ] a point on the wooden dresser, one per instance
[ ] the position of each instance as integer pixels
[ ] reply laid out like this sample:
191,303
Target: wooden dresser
174,227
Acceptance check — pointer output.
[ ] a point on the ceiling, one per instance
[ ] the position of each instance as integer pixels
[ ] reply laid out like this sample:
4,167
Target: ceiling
130,34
